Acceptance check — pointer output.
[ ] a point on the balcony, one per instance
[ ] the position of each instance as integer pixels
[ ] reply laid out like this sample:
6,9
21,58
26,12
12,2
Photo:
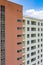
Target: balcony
23,50
23,29
23,57
23,43
23,36
23,63
23,22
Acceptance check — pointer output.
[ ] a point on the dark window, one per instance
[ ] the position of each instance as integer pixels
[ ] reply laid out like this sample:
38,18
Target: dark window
34,64
38,23
41,50
38,34
33,59
33,22
33,29
38,46
33,47
19,43
28,62
27,55
41,60
27,42
33,35
28,49
38,40
41,34
41,45
42,24
19,50
19,35
27,21
41,29
19,28
38,51
33,53
19,20
19,58
38,29
27,35
41,55
38,57
38,62
41,39
2,35
33,41
27,28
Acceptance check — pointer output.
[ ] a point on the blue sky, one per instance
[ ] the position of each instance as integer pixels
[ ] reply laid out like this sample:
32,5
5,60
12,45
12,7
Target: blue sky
34,7
30,4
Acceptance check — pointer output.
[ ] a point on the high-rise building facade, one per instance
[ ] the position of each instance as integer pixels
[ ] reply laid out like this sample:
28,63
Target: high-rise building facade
32,41
21,38
10,33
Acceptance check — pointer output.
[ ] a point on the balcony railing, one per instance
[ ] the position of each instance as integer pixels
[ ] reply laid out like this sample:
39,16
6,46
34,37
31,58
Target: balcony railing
23,22
23,43
23,50
23,57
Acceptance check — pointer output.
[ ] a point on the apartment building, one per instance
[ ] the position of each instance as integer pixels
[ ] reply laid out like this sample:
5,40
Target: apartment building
10,33
32,41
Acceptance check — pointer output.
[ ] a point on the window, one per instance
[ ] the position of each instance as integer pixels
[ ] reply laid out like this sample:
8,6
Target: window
27,21
38,40
19,28
41,55
33,53
41,45
41,39
41,24
27,42
38,34
33,47
34,64
38,57
27,28
41,60
38,62
27,35
38,46
2,35
38,23
33,59
41,34
19,35
41,50
19,50
27,55
33,29
19,58
19,43
38,29
28,62
28,49
38,51
33,35
41,29
33,22
19,20
33,41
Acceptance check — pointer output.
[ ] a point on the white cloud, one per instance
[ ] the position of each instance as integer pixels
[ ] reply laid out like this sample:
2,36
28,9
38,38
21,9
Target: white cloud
34,13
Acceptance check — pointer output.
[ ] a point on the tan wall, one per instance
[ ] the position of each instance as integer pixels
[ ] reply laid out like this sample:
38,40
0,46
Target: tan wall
11,16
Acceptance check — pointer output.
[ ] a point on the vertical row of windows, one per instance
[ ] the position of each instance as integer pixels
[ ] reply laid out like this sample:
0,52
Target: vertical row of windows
2,35
19,36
